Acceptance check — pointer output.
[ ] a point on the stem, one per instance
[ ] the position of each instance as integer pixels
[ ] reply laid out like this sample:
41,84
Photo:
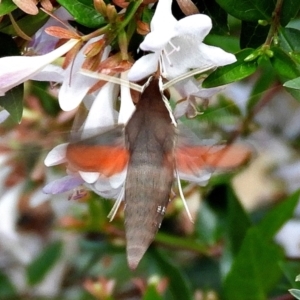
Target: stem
97,32
274,24
174,242
182,243
18,30
130,15
110,27
267,97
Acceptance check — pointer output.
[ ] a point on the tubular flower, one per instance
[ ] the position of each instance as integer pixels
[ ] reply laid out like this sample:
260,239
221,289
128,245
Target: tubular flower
14,70
177,45
101,115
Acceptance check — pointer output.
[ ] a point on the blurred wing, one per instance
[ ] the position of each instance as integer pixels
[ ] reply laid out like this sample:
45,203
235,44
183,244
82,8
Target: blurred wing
104,153
195,161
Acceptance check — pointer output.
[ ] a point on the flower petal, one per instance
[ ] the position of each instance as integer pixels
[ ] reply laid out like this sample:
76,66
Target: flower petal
4,114
207,93
180,109
89,177
43,43
62,185
188,57
197,26
157,40
193,87
9,210
103,188
163,17
50,73
76,85
17,69
102,112
118,180
127,107
144,67
57,155
162,27
216,55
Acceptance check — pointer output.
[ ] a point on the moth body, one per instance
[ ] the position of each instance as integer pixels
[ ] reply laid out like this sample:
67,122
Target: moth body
150,138
153,151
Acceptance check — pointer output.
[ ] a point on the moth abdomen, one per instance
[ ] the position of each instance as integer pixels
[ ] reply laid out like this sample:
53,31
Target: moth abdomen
145,207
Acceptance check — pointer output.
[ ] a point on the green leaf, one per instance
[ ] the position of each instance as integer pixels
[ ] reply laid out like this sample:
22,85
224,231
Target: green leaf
249,10
262,84
289,270
227,43
255,270
236,215
218,17
218,115
48,101
289,10
7,289
293,84
295,293
12,101
84,14
206,226
29,24
38,269
178,282
253,34
147,15
284,65
97,218
180,242
234,72
295,93
293,87
278,216
6,6
289,41
152,294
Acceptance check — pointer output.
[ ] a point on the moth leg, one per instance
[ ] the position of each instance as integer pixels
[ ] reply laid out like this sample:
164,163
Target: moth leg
183,198
116,206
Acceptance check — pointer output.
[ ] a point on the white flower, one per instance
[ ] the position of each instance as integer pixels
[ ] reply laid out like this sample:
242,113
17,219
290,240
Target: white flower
101,115
177,45
15,70
4,114
75,85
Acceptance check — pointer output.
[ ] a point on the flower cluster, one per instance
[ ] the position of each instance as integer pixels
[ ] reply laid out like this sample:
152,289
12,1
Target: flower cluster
175,47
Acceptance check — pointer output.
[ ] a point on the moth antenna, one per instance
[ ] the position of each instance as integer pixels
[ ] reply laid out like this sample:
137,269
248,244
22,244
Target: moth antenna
183,198
116,206
185,76
112,79
166,102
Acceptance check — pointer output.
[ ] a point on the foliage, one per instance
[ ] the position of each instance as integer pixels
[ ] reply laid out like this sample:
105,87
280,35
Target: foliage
230,252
